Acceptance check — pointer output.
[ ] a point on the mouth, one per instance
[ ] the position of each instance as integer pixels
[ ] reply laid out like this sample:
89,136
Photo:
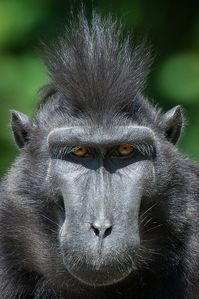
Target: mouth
98,271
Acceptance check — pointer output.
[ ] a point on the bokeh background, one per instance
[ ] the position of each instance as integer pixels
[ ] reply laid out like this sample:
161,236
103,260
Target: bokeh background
171,26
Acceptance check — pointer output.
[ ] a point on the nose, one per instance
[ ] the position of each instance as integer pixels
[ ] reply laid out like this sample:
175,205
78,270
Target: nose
102,230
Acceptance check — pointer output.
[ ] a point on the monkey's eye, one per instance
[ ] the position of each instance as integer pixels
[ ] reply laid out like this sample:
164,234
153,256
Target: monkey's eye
81,151
124,150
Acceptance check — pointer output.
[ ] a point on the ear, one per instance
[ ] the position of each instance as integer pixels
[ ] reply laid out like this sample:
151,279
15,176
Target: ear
20,124
172,124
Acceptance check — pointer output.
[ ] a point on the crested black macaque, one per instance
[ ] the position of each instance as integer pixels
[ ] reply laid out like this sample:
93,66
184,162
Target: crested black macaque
99,203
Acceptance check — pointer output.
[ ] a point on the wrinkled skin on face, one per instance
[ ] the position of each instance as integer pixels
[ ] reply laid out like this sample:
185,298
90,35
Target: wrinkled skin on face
101,193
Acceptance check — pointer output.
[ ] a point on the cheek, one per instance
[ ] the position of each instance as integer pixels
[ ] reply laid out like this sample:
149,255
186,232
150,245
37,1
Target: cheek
137,178
65,173
148,176
136,183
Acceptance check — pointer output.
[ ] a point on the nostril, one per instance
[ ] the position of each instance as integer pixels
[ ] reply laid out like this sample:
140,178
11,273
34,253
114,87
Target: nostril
96,230
107,231
101,231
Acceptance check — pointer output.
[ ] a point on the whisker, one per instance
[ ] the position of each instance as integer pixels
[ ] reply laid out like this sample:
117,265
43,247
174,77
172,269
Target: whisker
47,218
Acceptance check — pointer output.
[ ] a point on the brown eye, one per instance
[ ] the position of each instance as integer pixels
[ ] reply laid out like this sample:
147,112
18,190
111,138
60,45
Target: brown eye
81,151
124,149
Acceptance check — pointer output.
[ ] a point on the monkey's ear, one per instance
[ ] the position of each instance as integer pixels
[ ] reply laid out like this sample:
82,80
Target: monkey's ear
172,123
20,124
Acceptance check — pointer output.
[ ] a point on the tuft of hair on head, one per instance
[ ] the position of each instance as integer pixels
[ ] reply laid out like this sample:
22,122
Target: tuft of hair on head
93,67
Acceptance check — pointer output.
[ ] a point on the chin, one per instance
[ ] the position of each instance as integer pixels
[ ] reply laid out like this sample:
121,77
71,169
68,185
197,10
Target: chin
99,273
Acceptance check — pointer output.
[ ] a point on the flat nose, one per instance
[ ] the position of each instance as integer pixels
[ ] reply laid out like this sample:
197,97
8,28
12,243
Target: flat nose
102,230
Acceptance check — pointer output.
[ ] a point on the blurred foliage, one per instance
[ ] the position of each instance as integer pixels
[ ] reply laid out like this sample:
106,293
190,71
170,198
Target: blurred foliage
179,77
171,26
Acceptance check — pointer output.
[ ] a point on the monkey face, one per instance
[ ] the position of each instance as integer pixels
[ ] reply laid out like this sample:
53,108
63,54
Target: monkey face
102,182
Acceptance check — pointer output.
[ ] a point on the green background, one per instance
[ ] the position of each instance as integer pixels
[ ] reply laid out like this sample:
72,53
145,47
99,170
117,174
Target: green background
172,27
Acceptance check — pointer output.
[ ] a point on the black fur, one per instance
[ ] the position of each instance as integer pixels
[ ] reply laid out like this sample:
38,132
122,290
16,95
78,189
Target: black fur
97,81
